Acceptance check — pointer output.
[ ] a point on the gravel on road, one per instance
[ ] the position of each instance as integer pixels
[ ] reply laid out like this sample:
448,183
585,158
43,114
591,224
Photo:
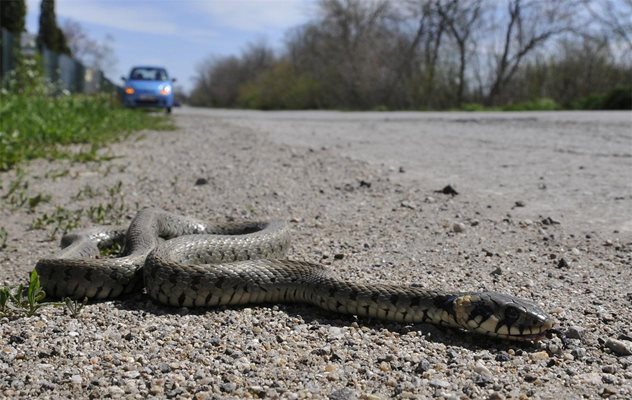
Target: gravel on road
369,221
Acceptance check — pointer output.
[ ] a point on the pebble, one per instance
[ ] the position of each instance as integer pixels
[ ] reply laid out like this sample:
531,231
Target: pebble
335,332
458,227
156,387
539,356
439,383
562,263
116,391
131,374
228,387
502,356
608,391
422,366
408,204
480,368
497,271
343,394
609,369
578,353
164,367
619,347
384,366
591,378
530,378
575,332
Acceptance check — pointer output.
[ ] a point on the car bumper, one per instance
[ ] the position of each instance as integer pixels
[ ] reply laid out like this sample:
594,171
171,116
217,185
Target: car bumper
148,100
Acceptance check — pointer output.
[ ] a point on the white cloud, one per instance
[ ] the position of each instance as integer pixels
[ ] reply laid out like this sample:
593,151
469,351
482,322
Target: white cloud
255,15
139,16
157,17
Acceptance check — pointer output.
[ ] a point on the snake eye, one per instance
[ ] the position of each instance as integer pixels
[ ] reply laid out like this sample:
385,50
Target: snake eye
484,311
511,314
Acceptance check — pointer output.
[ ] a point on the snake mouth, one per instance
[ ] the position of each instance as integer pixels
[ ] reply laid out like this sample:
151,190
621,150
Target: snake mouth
536,337
547,330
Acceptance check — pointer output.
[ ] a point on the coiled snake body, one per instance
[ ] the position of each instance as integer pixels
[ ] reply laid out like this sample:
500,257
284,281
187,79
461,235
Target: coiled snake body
184,262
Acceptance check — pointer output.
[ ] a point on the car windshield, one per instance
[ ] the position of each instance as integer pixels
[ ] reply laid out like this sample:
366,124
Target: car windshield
148,74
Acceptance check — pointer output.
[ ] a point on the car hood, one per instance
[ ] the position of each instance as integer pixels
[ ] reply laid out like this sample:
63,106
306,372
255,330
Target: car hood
146,85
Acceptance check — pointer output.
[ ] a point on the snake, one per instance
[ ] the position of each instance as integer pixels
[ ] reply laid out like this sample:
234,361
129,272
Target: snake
184,262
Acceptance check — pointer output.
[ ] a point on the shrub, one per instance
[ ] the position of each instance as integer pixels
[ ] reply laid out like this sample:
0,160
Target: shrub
542,104
280,87
617,99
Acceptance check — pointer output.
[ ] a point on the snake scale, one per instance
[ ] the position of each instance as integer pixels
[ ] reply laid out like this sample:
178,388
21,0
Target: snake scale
188,263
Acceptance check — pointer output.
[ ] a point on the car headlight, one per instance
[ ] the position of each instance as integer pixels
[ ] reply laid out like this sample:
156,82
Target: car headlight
165,90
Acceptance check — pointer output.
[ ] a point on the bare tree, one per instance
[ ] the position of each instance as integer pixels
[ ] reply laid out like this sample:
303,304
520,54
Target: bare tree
460,18
348,48
431,54
417,53
91,52
528,25
614,18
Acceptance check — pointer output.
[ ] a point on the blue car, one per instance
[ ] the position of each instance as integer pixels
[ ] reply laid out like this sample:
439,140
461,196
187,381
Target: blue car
148,87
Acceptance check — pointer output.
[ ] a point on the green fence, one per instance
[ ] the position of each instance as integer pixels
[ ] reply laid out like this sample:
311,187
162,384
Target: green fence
66,72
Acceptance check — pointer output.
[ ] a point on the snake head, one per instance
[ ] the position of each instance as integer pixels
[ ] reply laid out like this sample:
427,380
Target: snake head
501,315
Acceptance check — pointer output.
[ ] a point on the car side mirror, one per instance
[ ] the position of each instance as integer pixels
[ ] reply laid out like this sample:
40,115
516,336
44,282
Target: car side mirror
173,79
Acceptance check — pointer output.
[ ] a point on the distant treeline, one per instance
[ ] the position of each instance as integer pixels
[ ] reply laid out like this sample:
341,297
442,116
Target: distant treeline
436,54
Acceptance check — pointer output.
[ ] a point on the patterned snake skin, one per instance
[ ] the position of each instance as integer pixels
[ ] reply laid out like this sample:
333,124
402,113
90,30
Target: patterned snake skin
185,262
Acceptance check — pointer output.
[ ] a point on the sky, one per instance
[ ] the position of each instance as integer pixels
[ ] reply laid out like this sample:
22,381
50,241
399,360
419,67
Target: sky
178,34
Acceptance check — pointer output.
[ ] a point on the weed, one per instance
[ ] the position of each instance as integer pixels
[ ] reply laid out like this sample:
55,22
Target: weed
14,301
20,300
34,201
5,295
35,294
113,211
61,220
116,189
57,174
17,195
73,306
87,192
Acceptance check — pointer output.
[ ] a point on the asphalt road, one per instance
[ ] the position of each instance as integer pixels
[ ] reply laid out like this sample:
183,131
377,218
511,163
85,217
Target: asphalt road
575,167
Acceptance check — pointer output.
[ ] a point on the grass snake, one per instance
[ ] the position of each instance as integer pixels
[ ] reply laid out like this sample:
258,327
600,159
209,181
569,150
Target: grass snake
184,262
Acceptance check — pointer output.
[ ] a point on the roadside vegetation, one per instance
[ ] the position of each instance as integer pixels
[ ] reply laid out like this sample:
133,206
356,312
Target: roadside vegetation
435,55
26,301
37,120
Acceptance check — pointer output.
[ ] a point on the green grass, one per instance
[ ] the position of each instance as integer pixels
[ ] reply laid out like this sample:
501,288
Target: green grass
40,126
